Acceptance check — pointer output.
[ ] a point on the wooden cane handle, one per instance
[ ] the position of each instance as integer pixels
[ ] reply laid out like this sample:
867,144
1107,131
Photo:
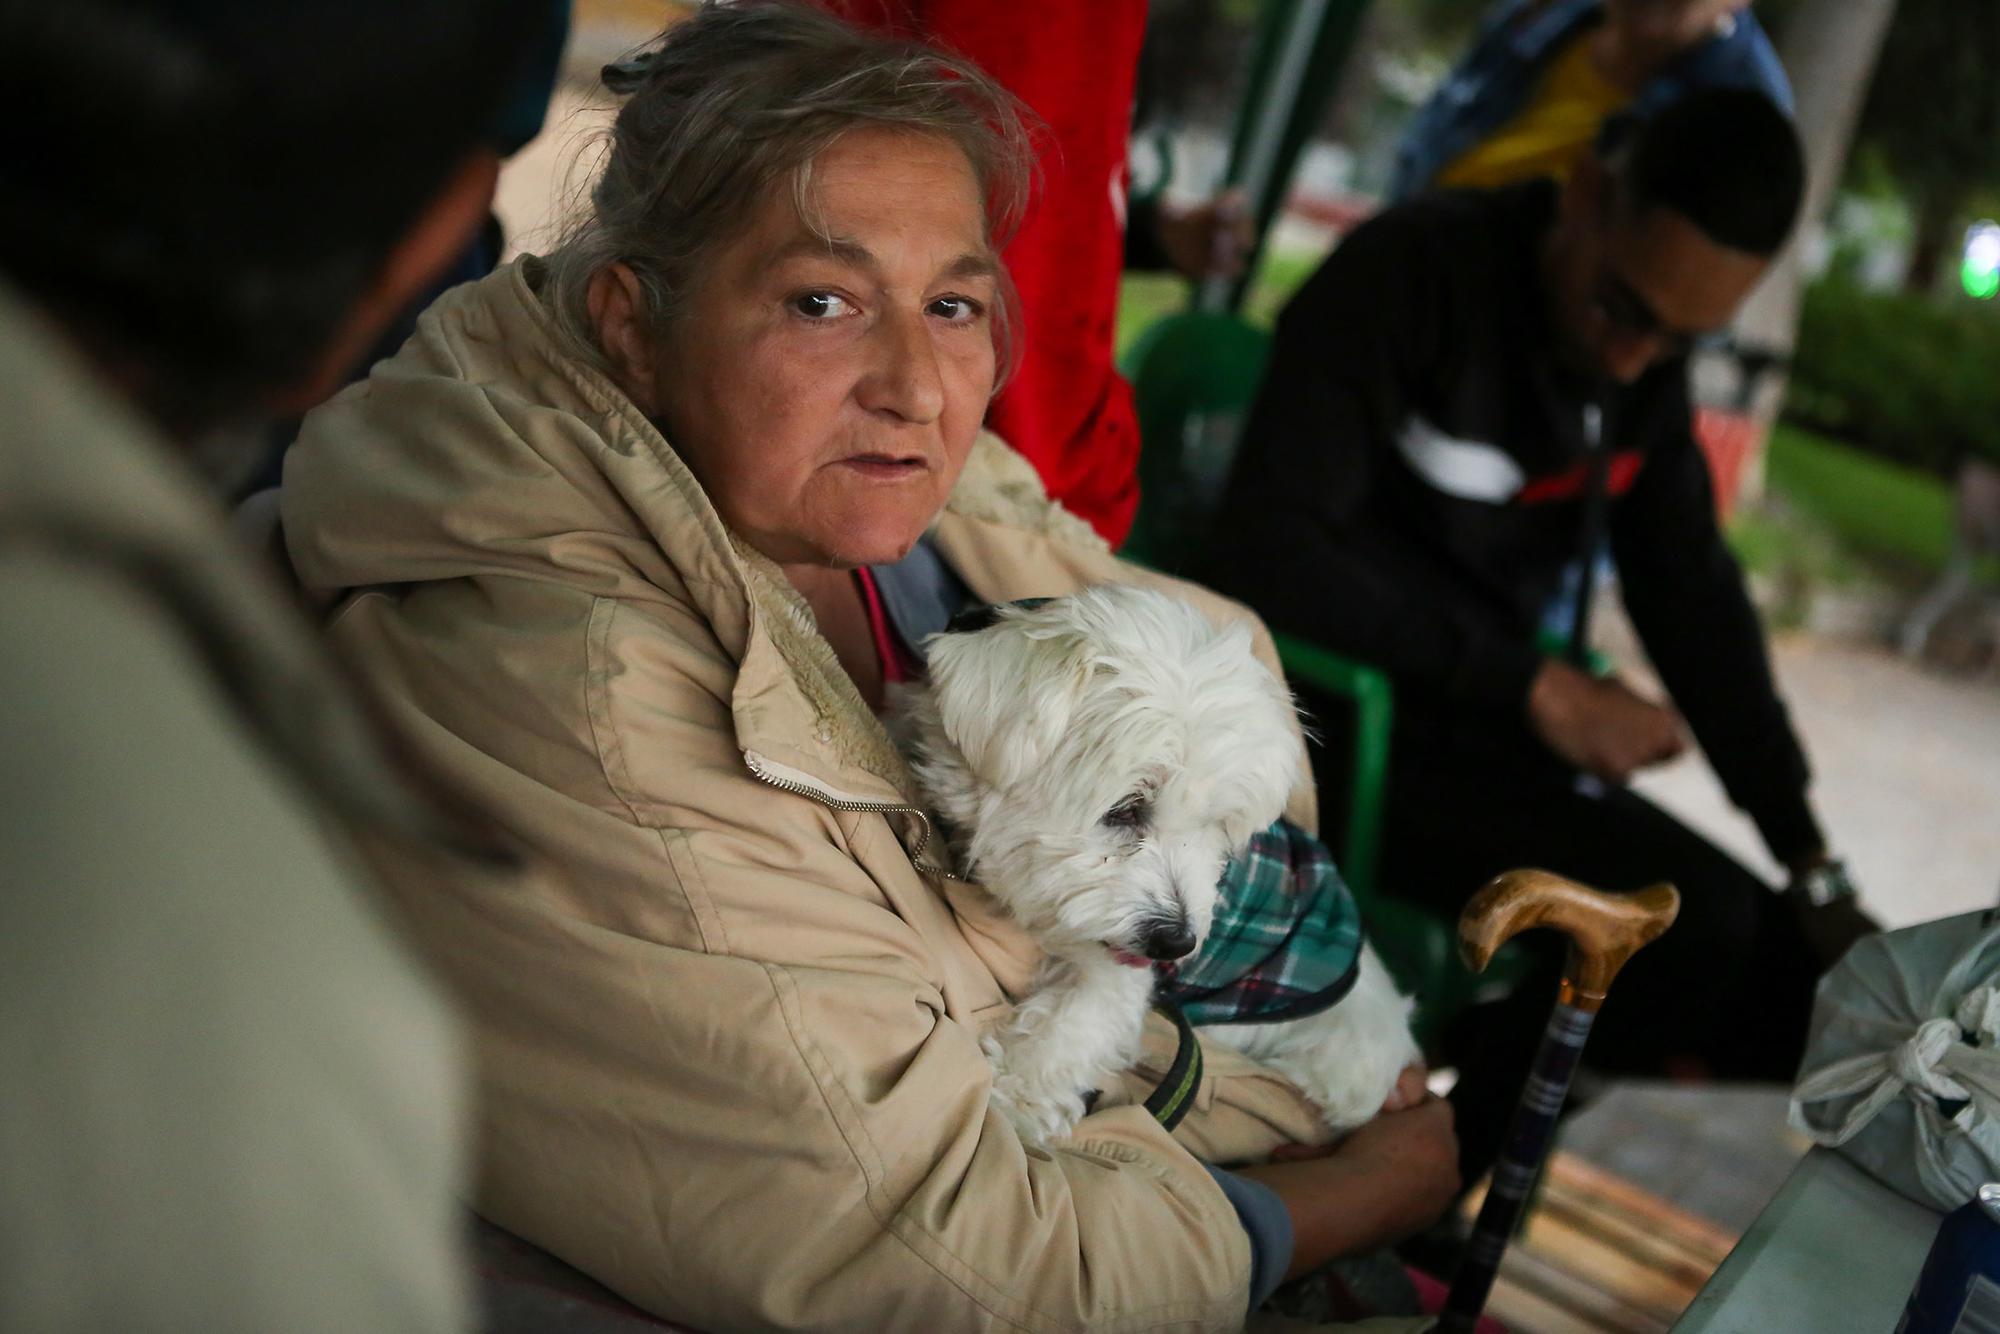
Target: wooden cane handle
1604,930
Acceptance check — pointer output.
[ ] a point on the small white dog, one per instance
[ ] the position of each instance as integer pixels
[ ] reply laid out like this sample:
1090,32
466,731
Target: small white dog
1098,758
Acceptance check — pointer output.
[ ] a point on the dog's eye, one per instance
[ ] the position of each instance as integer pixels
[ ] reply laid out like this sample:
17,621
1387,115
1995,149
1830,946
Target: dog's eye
1130,813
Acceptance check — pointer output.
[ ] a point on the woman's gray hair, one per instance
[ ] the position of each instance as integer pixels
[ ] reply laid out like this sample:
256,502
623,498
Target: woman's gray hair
741,98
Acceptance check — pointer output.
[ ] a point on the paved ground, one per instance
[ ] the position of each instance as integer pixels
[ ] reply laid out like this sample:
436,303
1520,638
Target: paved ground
1719,1151
1908,778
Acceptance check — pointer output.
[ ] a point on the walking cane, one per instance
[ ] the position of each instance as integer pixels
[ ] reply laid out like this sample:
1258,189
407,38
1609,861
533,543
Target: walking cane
1604,931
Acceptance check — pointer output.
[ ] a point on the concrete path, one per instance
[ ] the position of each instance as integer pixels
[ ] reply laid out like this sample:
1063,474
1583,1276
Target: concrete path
1907,767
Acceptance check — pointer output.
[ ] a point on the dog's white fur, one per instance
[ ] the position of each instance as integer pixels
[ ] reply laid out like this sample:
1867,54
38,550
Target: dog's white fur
1099,758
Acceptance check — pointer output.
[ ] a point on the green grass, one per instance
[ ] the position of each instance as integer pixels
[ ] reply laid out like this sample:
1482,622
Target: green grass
1758,539
1146,297
1880,511
1279,274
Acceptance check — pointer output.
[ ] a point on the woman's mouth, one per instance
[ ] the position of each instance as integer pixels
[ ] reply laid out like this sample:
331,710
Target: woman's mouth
886,467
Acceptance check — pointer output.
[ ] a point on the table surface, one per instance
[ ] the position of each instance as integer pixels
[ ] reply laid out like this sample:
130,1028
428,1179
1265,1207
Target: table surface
1835,1250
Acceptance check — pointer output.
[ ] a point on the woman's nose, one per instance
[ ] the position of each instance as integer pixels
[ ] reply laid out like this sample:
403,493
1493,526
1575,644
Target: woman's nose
905,379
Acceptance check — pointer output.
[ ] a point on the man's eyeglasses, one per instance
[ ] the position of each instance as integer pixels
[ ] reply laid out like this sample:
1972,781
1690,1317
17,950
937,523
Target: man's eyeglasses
1628,313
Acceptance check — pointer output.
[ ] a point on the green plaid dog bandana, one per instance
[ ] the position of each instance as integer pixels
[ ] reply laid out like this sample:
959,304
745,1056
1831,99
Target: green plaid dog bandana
1286,940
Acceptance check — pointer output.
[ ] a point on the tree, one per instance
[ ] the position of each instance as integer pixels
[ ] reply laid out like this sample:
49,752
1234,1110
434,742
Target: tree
1829,48
1933,112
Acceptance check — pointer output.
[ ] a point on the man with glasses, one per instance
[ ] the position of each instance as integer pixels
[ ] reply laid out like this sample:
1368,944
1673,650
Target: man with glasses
1476,389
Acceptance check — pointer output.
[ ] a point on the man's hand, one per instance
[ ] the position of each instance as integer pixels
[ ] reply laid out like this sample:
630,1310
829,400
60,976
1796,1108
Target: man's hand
1829,922
1210,240
1600,726
1669,27
1831,929
1640,37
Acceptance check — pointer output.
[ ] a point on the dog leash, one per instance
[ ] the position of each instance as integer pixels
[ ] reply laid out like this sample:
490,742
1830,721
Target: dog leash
1170,1102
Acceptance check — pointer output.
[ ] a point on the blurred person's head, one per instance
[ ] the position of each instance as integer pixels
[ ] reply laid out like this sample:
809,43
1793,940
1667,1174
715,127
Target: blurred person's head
791,263
224,201
1658,240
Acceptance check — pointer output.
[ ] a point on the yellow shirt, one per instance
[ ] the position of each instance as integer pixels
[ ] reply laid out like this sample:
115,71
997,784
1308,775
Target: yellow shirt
1548,135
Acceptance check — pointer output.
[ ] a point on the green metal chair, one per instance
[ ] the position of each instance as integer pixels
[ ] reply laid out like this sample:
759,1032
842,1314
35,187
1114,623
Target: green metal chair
1419,947
1193,375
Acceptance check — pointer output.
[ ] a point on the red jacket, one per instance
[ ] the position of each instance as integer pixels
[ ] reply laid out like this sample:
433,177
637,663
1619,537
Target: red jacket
1074,64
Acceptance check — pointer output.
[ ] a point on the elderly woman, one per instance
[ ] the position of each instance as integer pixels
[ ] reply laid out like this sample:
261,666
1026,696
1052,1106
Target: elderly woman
613,534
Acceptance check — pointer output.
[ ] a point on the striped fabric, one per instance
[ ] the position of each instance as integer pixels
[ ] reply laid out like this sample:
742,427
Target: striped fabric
1286,940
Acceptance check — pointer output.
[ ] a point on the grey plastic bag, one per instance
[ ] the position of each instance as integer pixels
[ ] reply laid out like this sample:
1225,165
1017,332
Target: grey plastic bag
1902,1070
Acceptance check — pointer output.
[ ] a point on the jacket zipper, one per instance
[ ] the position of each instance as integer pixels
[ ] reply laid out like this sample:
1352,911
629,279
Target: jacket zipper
755,763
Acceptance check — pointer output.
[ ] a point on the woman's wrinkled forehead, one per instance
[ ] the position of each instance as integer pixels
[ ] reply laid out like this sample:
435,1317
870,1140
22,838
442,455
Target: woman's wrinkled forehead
877,148
874,200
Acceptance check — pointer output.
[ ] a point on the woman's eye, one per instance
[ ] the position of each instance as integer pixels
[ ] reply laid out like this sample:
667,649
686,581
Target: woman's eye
819,305
957,309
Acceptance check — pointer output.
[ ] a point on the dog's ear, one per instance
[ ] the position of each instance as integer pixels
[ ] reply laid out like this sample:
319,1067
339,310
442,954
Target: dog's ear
1005,695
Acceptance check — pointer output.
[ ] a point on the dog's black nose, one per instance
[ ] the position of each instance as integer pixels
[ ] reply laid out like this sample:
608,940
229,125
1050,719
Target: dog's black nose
1167,938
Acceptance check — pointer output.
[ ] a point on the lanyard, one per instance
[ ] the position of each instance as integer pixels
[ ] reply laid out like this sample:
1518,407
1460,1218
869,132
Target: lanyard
1596,514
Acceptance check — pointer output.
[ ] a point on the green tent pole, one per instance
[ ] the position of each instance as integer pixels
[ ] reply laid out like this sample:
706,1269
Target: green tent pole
1296,61
1267,112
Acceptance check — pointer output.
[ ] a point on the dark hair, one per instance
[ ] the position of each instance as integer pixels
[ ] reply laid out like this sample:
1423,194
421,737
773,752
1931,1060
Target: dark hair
1727,159
203,188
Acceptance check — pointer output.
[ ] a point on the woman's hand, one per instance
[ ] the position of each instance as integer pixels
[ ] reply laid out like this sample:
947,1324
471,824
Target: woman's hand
1392,1177
1410,1088
1415,1151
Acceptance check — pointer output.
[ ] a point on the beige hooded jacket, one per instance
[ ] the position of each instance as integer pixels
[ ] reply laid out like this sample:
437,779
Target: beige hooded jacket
730,1040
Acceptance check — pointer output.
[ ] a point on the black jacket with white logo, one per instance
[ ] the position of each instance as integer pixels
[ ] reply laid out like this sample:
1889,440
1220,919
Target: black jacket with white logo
1411,485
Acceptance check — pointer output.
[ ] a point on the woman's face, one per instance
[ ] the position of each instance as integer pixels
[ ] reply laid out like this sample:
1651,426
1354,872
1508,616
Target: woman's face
827,395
